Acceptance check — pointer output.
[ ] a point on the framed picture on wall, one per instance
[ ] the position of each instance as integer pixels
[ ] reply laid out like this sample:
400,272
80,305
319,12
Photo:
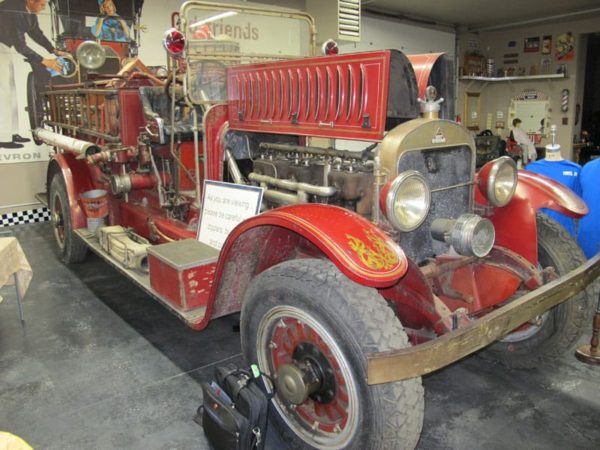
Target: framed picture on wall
546,45
565,47
532,45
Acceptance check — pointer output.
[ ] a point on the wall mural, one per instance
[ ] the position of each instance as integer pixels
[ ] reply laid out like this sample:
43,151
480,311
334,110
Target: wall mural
34,52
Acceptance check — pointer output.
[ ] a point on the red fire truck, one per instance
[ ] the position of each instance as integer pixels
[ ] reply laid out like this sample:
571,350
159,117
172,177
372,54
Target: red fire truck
379,254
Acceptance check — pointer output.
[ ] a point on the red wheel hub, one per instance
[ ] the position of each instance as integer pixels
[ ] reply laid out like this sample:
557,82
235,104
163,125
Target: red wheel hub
294,342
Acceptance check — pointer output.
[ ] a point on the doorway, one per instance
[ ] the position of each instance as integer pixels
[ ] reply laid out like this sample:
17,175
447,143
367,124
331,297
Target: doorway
590,110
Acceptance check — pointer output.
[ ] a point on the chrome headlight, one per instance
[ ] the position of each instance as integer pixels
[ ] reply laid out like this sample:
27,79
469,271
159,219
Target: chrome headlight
498,180
406,200
91,55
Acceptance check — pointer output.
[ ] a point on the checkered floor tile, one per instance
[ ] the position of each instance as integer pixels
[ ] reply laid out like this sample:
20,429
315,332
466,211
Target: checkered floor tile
23,217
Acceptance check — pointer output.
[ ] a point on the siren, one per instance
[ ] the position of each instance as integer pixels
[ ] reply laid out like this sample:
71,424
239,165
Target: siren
174,42
91,55
330,47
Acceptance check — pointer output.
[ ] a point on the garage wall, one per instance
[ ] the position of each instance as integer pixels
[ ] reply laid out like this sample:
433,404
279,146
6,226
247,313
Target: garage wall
379,34
20,181
495,96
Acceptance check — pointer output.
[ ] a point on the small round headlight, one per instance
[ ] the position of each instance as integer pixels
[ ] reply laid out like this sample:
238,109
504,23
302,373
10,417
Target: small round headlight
407,200
473,235
499,179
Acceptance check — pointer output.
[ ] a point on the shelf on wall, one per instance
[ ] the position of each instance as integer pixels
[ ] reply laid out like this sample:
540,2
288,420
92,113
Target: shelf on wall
486,80
517,78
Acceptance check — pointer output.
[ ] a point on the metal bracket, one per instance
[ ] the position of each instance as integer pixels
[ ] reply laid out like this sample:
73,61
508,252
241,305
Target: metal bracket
161,130
366,121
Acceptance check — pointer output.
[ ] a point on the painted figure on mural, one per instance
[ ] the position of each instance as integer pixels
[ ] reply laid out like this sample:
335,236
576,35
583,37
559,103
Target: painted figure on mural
109,26
18,19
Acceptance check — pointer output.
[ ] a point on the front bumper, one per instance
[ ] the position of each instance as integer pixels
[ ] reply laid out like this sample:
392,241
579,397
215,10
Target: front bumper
421,359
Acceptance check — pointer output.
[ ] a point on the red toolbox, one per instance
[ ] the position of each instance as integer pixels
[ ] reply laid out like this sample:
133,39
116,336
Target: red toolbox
182,272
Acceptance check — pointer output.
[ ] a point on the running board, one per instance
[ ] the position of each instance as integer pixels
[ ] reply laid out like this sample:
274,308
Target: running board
192,317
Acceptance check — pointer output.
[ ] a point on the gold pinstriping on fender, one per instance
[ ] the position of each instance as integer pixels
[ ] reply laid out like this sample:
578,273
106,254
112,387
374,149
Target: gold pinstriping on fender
377,256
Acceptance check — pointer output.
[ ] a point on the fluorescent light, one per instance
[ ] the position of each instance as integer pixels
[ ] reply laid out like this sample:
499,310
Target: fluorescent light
213,18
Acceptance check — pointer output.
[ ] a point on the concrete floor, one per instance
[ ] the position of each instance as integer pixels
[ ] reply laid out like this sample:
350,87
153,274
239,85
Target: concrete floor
100,365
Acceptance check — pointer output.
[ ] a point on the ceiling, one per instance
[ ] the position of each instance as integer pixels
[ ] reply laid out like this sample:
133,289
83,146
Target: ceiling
482,15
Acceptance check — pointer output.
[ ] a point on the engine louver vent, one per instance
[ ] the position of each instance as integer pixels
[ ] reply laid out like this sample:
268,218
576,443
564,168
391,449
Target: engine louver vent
349,19
336,19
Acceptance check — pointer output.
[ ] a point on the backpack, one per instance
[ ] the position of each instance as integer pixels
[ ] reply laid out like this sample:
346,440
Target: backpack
234,410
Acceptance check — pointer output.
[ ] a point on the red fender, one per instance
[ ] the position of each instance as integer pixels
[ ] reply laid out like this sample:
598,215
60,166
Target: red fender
423,65
544,192
356,246
75,172
361,250
515,223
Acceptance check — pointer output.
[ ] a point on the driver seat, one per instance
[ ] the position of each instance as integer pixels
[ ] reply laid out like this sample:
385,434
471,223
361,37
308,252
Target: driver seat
156,106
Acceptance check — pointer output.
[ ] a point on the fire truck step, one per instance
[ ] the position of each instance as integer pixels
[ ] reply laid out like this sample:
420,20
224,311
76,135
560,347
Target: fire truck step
190,315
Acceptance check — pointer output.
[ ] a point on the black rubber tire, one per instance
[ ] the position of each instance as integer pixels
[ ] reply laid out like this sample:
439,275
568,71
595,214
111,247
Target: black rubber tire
359,321
563,324
70,248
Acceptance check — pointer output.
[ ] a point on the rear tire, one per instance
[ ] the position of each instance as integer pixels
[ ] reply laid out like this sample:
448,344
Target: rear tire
561,326
307,312
71,249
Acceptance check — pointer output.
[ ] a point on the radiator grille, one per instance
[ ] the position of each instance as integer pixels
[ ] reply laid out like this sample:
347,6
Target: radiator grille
344,95
449,174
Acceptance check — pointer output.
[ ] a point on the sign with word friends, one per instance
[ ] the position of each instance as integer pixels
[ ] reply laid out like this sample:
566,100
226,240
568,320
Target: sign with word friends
224,206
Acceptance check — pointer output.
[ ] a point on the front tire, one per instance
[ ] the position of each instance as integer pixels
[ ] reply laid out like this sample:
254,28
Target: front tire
559,328
71,249
304,317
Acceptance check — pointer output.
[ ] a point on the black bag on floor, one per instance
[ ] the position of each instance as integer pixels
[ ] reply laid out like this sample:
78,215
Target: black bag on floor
234,410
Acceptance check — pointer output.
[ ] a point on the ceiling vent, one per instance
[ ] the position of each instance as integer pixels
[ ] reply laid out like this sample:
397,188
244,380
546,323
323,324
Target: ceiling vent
339,20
